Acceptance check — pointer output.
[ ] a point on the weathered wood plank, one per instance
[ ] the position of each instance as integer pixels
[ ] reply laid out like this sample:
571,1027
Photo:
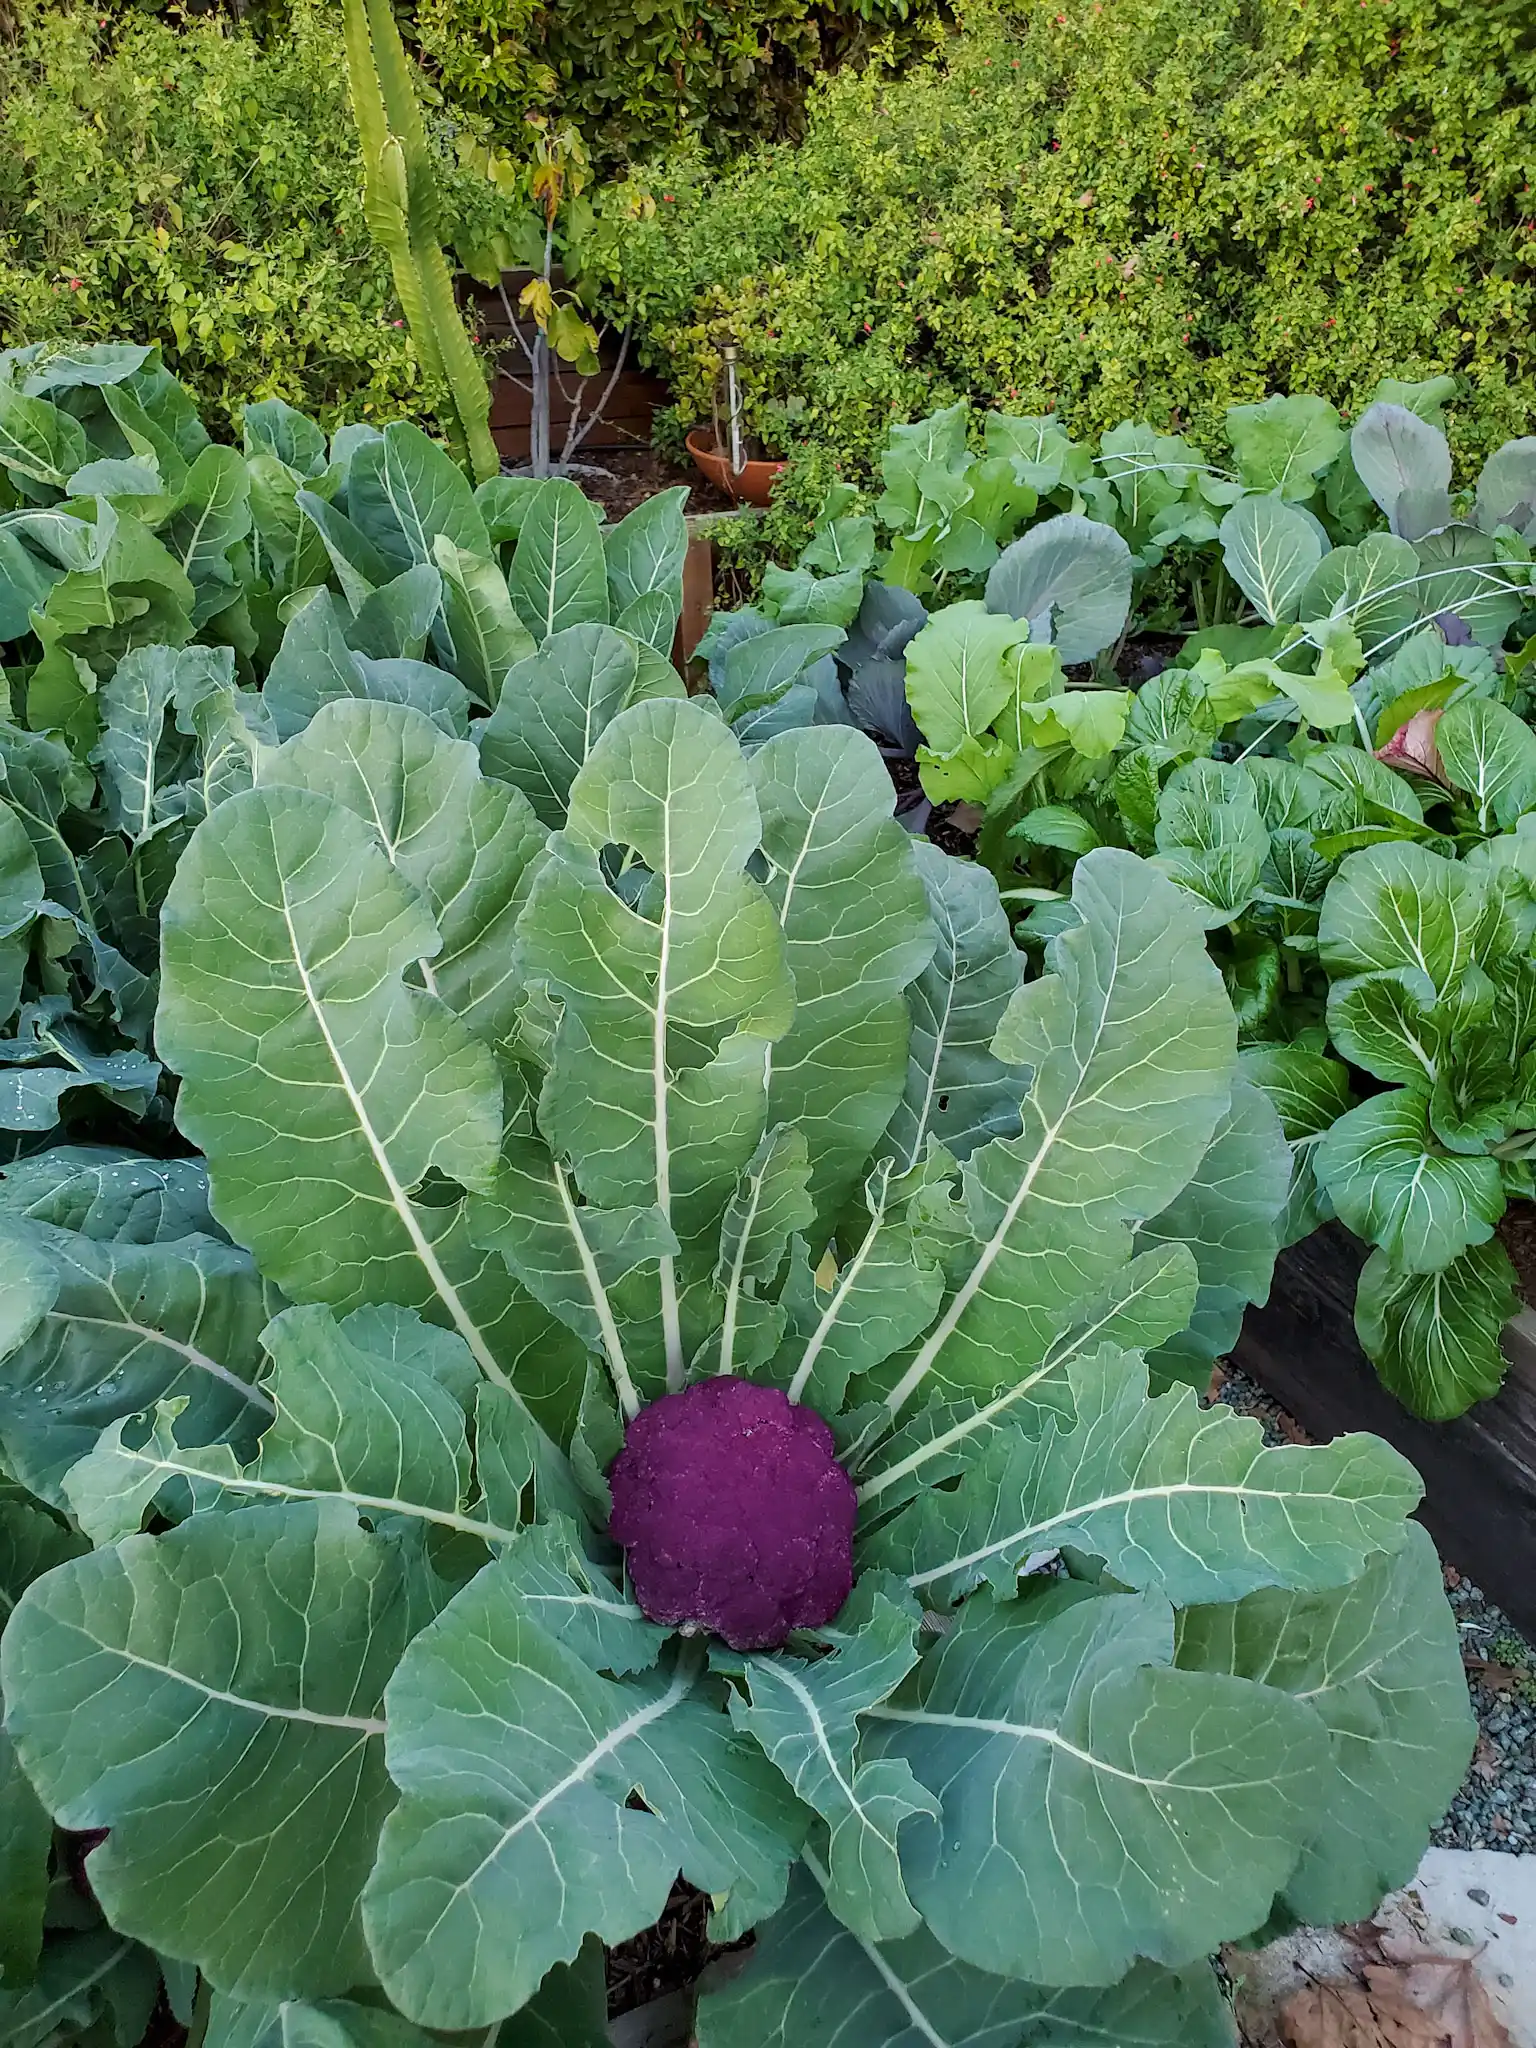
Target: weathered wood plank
1479,1472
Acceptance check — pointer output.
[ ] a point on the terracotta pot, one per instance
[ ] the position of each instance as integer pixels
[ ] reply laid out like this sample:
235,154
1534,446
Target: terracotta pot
751,486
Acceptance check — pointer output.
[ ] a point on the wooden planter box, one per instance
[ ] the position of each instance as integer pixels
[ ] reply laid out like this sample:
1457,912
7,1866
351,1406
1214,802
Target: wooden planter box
627,417
1479,1472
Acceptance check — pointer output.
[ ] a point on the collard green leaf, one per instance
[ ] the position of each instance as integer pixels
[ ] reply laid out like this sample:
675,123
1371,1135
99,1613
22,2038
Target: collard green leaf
957,1090
513,1841
645,550
221,1687
108,1194
1132,1043
139,748
95,1985
1179,1501
315,666
371,1410
321,1086
111,1328
488,637
1392,1183
856,931
1271,549
811,1983
1070,577
298,2023
1114,1807
805,1716
559,576
553,707
403,491
1284,444
1434,1337
1380,1660
1228,1214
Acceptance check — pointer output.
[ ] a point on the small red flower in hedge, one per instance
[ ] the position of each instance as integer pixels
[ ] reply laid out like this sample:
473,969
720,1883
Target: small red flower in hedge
734,1513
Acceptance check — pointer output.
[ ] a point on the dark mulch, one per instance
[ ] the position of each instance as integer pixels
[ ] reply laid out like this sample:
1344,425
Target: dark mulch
667,1957
638,474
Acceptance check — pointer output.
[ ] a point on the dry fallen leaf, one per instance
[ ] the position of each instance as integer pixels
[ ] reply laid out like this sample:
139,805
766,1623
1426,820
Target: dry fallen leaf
1448,1988
1495,1676
1345,2016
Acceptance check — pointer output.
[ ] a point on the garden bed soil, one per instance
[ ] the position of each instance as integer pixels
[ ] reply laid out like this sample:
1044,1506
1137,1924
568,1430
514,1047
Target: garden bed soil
636,474
671,1956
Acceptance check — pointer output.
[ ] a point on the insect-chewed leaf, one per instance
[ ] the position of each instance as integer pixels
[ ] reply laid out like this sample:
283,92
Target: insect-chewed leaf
1380,1660
1185,1501
1111,1806
513,1840
220,1687
812,1984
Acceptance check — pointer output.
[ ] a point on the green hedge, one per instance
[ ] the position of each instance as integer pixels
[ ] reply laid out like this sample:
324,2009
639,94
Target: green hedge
200,189
1125,209
634,75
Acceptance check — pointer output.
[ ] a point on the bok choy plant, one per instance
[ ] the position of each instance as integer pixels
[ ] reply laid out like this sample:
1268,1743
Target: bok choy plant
663,1209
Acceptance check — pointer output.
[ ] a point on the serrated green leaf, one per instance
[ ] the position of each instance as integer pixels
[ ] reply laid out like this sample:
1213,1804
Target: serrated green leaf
811,1983
465,842
805,1716
1184,1502
515,1760
115,1327
856,931
221,1688
956,1090
1380,1660
1095,1772
1132,1043
303,1052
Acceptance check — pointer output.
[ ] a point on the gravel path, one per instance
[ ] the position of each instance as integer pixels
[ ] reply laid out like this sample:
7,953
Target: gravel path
1496,1806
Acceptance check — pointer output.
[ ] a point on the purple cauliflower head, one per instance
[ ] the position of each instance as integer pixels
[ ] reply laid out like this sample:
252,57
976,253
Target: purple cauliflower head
734,1512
